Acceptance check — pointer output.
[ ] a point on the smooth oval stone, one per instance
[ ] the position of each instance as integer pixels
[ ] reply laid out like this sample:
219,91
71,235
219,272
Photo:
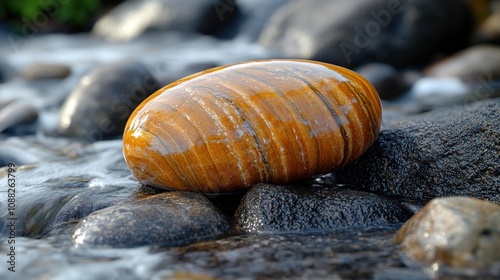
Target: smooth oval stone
167,219
44,71
454,231
132,18
291,208
17,113
101,103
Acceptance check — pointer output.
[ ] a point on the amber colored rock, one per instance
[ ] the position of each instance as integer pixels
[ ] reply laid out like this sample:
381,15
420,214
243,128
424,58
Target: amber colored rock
273,121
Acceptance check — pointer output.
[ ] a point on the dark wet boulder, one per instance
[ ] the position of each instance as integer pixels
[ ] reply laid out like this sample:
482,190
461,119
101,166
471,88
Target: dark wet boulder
352,33
99,106
167,219
295,208
446,152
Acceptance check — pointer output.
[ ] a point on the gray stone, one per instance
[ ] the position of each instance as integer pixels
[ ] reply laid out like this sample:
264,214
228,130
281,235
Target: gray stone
19,117
469,75
352,33
101,103
43,71
167,219
385,78
131,18
440,153
453,231
293,208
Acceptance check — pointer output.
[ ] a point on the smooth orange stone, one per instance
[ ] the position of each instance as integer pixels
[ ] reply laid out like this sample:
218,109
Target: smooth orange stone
272,121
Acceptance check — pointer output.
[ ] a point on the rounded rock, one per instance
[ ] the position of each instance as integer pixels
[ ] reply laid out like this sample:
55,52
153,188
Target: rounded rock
99,106
453,231
167,219
270,121
44,71
295,208
446,152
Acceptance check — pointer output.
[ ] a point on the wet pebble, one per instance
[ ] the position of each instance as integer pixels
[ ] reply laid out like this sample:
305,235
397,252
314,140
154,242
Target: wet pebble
398,33
131,18
293,208
439,153
167,219
99,106
44,71
453,231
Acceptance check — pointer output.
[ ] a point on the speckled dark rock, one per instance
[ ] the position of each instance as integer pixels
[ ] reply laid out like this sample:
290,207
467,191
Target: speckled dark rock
352,33
293,208
18,118
167,219
446,152
101,103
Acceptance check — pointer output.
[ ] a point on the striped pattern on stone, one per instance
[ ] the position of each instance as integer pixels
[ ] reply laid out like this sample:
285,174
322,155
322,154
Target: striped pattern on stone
272,121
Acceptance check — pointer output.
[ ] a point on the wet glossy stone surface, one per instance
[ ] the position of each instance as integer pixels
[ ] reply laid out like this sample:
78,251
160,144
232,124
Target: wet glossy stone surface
454,231
272,208
167,219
